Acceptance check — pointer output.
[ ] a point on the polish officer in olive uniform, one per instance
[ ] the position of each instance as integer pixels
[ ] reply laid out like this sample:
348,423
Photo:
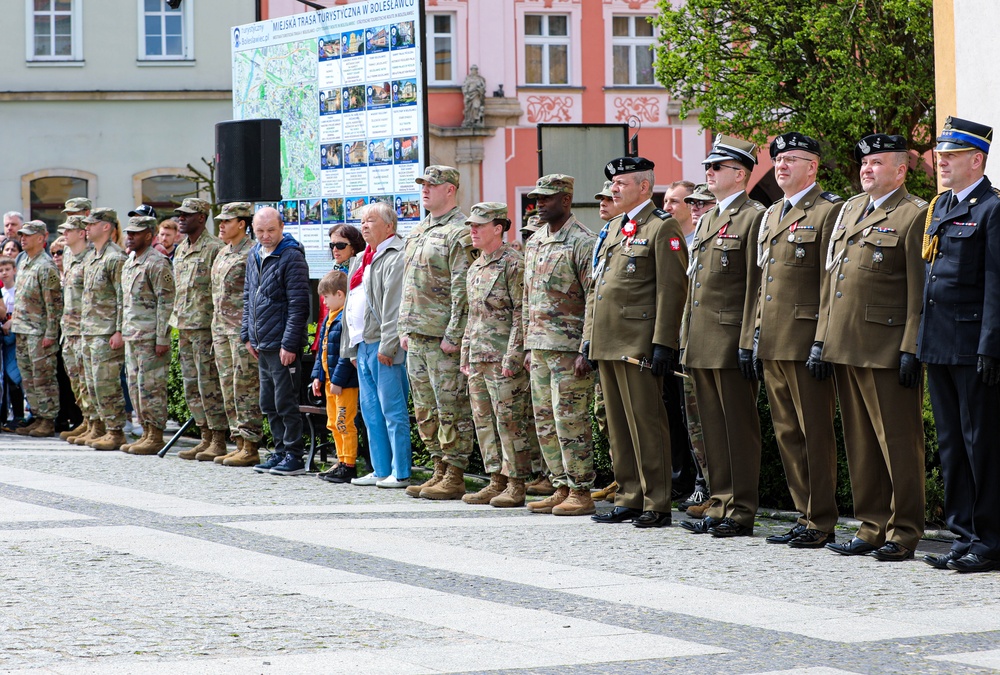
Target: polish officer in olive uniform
791,253
722,278
870,335
959,340
634,310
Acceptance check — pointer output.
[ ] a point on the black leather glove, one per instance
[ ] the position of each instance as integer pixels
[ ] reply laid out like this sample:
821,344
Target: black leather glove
744,358
664,359
989,368
909,370
815,364
758,365
586,354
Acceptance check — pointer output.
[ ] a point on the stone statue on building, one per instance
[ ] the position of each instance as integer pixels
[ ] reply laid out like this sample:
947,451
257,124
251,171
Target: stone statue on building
474,93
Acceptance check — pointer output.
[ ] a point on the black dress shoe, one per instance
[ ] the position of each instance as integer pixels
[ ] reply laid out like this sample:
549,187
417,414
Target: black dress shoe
619,514
812,539
853,547
940,562
787,536
699,526
652,519
891,552
728,527
973,562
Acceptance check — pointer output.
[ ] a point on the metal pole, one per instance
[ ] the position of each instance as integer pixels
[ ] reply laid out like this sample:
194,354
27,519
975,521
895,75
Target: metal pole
170,443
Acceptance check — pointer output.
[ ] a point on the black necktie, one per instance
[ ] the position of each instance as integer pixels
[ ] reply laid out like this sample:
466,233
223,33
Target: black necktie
868,210
952,202
786,208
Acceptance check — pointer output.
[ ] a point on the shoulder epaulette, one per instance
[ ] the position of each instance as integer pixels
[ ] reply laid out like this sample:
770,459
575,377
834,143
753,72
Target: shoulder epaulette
831,197
917,201
757,205
996,190
661,214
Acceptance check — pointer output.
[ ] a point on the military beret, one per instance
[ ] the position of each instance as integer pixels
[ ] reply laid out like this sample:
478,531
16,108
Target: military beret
728,147
102,214
193,205
77,204
959,134
701,194
234,210
553,184
72,223
793,140
874,144
437,175
627,165
487,212
33,227
141,224
143,210
605,191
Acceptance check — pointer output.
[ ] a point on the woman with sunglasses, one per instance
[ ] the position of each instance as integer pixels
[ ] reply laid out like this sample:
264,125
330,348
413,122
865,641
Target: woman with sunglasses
345,243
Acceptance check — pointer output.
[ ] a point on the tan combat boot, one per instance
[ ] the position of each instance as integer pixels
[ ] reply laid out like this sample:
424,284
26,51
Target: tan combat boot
44,429
78,430
96,430
113,439
151,443
206,440
248,455
216,449
541,486
26,429
127,446
546,505
579,503
239,446
439,470
607,494
512,496
452,486
498,483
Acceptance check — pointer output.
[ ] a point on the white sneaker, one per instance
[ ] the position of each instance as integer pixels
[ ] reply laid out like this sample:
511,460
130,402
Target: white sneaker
370,479
391,482
128,426
137,430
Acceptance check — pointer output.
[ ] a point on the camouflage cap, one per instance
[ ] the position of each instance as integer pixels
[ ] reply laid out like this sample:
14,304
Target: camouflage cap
102,214
33,227
533,225
235,210
72,223
605,191
141,224
438,174
193,205
701,194
487,212
77,204
553,184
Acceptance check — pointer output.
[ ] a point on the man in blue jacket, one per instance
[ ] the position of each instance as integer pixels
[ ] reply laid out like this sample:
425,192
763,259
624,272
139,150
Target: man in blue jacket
275,311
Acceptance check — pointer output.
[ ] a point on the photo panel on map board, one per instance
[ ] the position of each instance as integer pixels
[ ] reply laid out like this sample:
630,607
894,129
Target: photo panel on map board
332,168
356,167
355,122
377,60
333,210
407,211
380,172
331,124
289,210
328,70
352,209
379,112
352,60
406,166
310,211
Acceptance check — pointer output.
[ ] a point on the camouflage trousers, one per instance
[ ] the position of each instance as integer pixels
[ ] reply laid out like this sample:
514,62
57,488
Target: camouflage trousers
239,379
694,428
505,425
104,381
73,359
201,379
38,374
440,400
147,381
561,401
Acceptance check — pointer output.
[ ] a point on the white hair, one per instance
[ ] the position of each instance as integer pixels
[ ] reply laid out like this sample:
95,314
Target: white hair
13,214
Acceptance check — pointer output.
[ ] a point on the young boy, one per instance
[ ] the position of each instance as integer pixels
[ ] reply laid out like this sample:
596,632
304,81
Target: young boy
342,379
13,397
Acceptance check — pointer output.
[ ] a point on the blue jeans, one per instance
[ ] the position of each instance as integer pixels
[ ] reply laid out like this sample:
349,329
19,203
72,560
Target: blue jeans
384,391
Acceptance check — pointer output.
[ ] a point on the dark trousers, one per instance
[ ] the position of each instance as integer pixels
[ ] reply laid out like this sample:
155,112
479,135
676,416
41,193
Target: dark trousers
279,400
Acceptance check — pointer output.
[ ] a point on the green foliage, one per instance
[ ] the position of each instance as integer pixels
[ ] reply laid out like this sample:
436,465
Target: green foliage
833,70
177,408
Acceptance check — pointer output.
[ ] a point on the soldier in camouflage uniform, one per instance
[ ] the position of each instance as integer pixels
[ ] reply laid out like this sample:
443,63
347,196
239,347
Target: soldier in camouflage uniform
432,319
38,307
101,329
493,357
147,301
192,318
557,270
238,372
75,231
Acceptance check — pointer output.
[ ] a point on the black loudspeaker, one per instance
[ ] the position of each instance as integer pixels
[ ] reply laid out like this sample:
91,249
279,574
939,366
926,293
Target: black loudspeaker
247,161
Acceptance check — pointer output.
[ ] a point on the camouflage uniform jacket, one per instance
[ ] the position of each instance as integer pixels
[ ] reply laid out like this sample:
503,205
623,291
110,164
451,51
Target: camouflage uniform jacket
147,296
496,288
72,286
557,270
438,253
193,276
38,302
101,309
229,272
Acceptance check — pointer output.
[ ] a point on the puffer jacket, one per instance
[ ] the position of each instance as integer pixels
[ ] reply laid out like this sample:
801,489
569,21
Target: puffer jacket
342,372
276,298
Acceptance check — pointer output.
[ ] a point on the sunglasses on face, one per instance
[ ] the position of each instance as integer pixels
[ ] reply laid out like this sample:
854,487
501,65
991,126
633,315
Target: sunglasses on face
715,166
340,245
57,252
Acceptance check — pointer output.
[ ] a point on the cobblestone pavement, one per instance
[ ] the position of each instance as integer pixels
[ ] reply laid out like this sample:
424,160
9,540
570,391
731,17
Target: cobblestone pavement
111,563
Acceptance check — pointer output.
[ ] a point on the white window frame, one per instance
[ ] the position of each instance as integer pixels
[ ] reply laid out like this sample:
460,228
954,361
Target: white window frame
76,36
431,39
545,41
631,41
187,36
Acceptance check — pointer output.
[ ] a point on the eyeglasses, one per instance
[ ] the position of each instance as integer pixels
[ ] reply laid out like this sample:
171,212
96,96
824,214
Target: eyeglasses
715,166
59,252
340,245
790,159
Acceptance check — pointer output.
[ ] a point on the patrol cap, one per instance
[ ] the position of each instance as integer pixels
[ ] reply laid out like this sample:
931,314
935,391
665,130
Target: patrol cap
793,140
234,210
701,194
141,224
193,205
102,214
72,223
143,210
605,191
728,147
33,227
77,204
959,134
553,184
874,144
533,225
438,174
627,165
487,212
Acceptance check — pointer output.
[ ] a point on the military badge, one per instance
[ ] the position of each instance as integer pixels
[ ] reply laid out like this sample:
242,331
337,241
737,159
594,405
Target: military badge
865,149
628,229
780,142
675,244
